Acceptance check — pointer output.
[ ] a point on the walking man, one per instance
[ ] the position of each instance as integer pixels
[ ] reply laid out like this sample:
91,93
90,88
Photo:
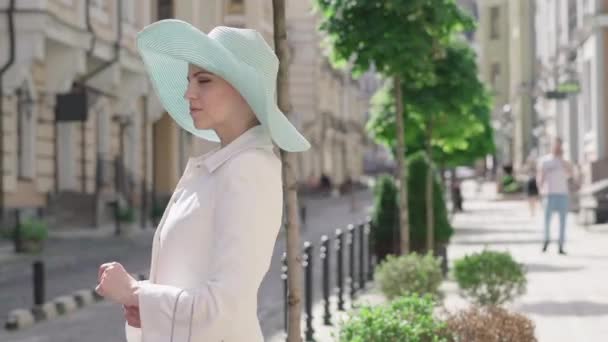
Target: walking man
553,175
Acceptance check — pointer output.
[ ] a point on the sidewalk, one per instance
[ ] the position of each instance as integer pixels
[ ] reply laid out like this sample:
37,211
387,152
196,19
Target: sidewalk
566,297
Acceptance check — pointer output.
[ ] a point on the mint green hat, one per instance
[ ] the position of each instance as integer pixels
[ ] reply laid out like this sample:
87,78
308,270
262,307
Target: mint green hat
239,56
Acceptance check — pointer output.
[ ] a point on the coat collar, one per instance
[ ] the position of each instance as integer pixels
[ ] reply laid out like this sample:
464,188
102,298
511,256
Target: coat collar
254,137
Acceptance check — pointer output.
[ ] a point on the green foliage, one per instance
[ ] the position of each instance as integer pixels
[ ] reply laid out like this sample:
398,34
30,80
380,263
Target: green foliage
406,35
407,274
405,319
490,324
490,277
126,214
418,168
385,216
158,208
456,104
30,229
510,184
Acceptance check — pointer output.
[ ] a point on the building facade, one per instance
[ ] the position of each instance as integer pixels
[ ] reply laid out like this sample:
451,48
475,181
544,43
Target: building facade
505,39
73,163
572,50
58,154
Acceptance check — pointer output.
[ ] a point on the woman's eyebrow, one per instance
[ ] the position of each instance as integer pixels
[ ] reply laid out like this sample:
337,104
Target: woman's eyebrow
198,73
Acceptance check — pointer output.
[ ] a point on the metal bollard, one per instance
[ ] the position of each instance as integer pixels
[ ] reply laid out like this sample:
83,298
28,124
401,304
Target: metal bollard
38,272
325,259
370,251
303,214
17,240
340,263
361,228
285,290
308,290
351,262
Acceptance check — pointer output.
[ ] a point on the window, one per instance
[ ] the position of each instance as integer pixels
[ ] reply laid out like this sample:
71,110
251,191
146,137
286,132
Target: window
236,7
495,75
494,22
99,10
26,130
587,125
128,11
572,16
165,9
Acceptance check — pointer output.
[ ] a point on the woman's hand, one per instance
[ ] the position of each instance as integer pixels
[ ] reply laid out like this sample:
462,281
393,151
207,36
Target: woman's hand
117,285
132,316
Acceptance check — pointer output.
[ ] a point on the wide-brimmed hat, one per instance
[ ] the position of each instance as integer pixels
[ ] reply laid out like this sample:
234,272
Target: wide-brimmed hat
239,56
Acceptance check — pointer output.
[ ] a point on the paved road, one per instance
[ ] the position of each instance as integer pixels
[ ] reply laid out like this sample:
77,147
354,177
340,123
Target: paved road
103,321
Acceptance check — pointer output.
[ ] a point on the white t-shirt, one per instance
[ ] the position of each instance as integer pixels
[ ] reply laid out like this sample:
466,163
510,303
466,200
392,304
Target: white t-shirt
555,175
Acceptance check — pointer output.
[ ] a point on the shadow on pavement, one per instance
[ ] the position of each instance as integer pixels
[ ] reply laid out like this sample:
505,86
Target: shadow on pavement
499,242
551,268
479,231
574,308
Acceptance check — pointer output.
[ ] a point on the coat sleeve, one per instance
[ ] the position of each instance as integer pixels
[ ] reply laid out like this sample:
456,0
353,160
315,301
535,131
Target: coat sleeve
247,217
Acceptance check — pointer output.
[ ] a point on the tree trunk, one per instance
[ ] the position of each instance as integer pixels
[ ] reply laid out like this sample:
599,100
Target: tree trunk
402,171
430,218
294,259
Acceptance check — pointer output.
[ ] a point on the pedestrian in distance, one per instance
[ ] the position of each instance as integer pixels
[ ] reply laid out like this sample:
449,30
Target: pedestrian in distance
532,187
214,242
553,175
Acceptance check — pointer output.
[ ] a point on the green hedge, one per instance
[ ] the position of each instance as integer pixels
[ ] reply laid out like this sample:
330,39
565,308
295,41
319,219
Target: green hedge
385,217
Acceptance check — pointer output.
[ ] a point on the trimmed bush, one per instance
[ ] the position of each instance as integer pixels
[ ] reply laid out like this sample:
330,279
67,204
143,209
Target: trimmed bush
29,229
408,274
385,217
405,319
490,278
418,168
490,324
126,214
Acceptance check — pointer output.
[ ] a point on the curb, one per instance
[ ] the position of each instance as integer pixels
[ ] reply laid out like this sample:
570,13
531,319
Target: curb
59,306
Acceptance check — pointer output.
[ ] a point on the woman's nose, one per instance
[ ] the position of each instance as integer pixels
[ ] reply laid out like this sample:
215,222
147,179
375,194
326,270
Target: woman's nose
190,94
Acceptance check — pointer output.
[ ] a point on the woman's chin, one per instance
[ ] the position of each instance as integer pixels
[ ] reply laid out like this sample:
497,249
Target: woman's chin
200,124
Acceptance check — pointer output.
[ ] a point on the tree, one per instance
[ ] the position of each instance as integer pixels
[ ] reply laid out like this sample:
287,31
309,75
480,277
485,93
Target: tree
401,38
444,116
294,269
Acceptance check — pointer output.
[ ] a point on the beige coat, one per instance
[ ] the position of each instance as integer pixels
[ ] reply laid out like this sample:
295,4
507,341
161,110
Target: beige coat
213,246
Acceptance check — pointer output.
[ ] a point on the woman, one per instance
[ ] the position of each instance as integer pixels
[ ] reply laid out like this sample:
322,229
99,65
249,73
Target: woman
215,240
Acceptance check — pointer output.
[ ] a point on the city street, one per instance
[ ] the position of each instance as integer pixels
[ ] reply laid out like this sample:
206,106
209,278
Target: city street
103,321
566,297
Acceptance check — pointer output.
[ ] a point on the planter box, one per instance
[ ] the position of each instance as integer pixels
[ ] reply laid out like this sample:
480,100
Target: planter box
32,246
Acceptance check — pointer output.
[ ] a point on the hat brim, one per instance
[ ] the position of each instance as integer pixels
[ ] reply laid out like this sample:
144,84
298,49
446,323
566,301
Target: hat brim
167,48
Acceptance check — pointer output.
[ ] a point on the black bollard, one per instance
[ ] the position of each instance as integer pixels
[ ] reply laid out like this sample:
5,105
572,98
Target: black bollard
370,250
303,214
38,272
308,291
361,256
285,290
17,240
340,264
325,259
351,262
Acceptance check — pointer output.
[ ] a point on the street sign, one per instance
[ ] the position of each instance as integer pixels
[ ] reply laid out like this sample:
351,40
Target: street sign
555,95
569,87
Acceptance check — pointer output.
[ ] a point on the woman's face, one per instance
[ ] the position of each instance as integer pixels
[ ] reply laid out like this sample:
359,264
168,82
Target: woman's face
214,103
